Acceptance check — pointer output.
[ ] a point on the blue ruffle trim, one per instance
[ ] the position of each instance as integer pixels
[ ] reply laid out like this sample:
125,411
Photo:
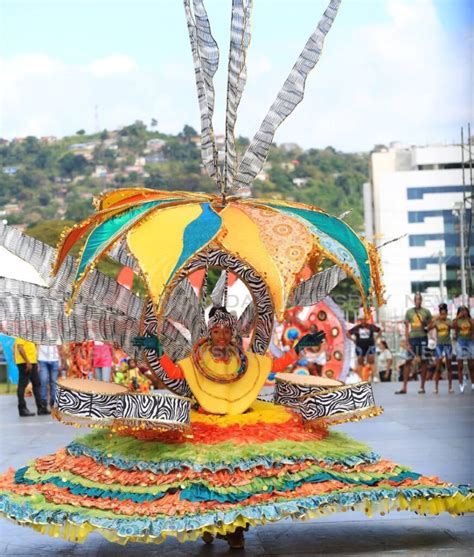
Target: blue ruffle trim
296,508
167,466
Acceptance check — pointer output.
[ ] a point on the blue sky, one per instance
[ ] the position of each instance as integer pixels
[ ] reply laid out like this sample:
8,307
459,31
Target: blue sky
390,70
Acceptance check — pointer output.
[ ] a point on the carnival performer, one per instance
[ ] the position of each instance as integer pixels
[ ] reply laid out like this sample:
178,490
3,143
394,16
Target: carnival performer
444,349
464,328
224,378
209,459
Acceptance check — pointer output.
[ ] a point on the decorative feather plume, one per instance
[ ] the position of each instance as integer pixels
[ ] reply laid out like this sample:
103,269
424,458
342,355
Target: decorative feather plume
289,96
236,79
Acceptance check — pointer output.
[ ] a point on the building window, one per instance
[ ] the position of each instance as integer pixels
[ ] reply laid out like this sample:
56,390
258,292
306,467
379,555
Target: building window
450,240
419,193
420,216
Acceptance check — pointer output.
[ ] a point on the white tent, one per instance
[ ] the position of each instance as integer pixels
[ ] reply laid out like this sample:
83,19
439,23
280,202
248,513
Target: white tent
12,266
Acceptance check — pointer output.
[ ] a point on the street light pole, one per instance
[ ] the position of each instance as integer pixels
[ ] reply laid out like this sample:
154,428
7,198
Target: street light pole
460,210
441,281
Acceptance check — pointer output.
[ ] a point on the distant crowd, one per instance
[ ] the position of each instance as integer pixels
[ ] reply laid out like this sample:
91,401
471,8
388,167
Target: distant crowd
429,345
42,365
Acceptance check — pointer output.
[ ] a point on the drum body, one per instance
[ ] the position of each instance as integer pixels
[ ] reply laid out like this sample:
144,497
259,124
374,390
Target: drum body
291,388
335,405
101,404
87,402
319,399
154,410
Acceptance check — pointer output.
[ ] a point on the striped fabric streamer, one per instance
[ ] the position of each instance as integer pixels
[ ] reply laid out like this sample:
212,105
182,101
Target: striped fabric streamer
316,288
236,79
290,95
206,61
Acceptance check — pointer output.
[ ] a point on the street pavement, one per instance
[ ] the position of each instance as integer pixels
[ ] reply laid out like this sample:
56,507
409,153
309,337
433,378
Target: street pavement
432,434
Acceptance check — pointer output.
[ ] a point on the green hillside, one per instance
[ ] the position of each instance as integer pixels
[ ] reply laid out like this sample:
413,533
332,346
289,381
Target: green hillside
47,183
48,178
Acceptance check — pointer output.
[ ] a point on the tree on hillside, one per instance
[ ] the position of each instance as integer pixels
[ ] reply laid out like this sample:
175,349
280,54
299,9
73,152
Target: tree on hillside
174,150
137,129
71,164
187,132
79,210
81,132
155,180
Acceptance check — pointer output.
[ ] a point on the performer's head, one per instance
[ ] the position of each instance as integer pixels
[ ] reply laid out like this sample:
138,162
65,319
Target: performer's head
418,300
222,327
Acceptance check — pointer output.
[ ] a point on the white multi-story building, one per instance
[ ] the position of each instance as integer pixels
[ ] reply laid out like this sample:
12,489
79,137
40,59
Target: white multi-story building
413,192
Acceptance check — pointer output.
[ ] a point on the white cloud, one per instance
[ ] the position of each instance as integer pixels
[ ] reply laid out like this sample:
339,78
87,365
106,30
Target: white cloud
401,78
112,65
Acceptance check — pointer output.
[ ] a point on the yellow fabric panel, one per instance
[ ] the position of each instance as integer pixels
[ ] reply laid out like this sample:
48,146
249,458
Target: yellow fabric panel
157,243
262,412
109,198
231,398
240,236
30,351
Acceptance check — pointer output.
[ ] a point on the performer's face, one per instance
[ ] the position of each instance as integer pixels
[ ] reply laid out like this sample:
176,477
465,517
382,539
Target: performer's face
221,336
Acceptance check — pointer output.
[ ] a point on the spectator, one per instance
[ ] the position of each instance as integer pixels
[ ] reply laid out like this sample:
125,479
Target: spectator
102,358
384,362
49,358
444,348
464,328
27,362
416,336
364,334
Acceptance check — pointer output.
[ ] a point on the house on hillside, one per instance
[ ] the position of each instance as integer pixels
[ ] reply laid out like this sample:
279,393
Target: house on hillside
49,139
155,158
100,171
10,170
262,176
289,146
11,208
134,168
288,166
155,144
300,182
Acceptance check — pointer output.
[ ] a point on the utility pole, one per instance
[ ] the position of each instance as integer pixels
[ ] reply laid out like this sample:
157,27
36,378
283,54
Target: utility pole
441,281
460,212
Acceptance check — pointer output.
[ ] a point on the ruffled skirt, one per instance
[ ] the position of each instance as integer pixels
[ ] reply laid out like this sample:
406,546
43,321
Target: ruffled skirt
229,472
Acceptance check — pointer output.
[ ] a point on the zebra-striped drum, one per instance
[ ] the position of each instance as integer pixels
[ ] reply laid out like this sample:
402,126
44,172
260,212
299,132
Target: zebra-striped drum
154,411
319,399
84,402
290,388
101,404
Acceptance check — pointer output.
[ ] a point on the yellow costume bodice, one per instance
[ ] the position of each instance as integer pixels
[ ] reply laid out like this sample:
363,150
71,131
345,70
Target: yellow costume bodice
226,398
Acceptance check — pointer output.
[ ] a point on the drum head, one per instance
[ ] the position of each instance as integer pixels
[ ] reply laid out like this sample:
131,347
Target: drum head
309,380
90,386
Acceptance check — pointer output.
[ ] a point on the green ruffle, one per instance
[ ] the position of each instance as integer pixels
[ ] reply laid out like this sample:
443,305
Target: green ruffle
150,455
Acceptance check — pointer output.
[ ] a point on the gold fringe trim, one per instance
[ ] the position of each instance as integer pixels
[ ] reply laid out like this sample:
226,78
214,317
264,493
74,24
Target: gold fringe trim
119,425
344,417
376,273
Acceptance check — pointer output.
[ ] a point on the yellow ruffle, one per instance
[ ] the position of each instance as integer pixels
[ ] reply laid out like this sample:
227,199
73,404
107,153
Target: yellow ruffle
259,412
455,505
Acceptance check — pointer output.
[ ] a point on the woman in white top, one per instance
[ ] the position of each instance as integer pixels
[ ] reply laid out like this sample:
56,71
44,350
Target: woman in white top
384,362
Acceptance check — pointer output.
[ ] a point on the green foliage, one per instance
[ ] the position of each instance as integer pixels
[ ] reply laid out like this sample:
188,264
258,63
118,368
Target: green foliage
70,164
48,232
54,181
